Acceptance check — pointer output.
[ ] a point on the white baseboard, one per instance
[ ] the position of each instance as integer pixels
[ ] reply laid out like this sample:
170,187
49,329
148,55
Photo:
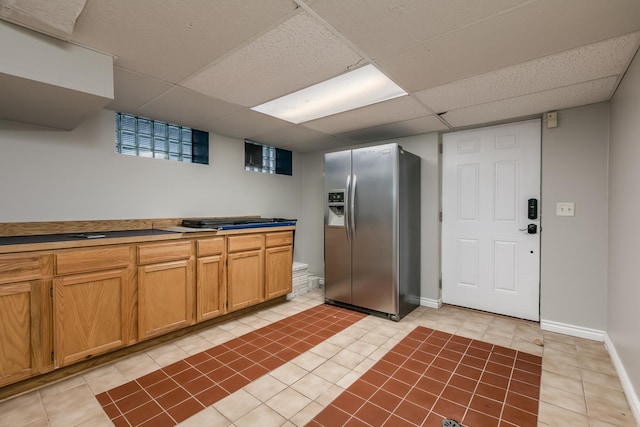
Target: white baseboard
629,391
431,303
573,330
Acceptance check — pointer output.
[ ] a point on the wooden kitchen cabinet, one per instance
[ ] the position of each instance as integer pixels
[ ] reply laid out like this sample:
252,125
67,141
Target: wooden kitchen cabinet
91,302
90,314
165,289
278,264
21,317
245,271
211,290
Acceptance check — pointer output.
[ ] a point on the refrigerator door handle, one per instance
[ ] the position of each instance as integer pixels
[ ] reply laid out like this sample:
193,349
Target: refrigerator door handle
346,208
352,208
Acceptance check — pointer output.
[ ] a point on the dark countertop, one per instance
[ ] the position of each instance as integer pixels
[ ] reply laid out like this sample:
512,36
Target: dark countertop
80,237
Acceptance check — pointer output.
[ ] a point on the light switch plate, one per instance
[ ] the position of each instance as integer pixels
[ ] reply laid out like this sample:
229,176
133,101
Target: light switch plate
565,209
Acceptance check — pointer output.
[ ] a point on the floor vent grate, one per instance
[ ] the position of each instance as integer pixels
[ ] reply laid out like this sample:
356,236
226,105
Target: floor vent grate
450,423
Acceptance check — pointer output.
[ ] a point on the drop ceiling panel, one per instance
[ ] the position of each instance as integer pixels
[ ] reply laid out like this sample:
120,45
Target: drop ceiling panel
604,59
383,27
532,31
54,17
390,111
555,99
173,39
186,107
132,90
296,54
246,123
396,130
300,139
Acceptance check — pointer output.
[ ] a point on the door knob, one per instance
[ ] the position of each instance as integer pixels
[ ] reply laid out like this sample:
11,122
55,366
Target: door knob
531,229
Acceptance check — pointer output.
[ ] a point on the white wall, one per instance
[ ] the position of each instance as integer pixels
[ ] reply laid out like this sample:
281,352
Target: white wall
312,226
49,175
624,233
574,249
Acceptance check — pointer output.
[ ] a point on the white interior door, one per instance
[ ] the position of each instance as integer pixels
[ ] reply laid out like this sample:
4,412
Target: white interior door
488,262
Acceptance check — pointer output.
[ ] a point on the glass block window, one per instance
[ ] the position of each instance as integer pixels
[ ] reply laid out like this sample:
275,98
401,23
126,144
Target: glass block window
143,137
264,158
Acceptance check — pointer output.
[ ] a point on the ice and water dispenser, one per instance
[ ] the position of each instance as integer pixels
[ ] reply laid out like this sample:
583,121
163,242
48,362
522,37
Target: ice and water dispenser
336,208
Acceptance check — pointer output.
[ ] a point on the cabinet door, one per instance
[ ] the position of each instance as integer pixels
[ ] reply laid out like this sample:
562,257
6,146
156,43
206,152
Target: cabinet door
90,314
279,262
165,297
211,294
20,348
245,273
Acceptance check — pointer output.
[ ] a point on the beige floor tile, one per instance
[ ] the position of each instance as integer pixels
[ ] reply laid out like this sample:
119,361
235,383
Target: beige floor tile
348,379
262,416
365,365
567,339
560,357
528,332
355,331
598,423
561,368
606,395
167,354
311,386
137,366
62,386
43,422
497,339
563,399
22,410
329,396
374,338
106,382
326,350
341,340
562,382
606,380
265,387
473,325
556,416
602,411
309,360
193,344
348,358
307,413
288,402
362,348
604,366
560,346
236,405
331,371
216,336
468,333
208,417
527,347
74,406
100,419
289,373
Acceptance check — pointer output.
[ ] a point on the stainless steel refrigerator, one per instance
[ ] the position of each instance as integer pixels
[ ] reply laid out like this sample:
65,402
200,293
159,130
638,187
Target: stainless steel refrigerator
372,230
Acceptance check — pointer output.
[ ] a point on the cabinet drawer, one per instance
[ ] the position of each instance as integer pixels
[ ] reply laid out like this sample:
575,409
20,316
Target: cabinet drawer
282,238
19,268
93,259
246,242
211,246
161,252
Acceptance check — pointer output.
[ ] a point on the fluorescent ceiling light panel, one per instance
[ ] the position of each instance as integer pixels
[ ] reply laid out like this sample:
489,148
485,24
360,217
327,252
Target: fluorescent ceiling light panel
355,89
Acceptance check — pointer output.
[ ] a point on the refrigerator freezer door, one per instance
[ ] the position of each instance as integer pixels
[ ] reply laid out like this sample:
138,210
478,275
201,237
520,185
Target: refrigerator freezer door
337,246
375,241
